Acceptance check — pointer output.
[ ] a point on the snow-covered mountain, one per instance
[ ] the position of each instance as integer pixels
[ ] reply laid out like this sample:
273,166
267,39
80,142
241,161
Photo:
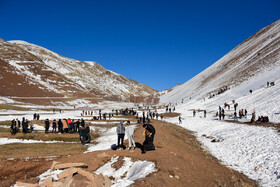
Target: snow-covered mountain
31,70
249,66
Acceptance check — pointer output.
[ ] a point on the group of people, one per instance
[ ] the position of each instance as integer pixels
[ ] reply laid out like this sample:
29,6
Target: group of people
16,124
127,129
144,117
64,126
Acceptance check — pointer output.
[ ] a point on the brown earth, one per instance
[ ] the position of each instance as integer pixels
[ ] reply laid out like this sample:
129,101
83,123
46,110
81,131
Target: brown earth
179,159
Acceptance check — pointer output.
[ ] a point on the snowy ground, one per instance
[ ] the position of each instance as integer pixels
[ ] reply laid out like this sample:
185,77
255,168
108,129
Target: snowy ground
252,150
4,141
124,176
131,170
67,111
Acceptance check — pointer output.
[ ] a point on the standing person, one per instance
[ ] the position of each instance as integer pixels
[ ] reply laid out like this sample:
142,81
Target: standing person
223,114
69,125
24,126
47,125
99,114
121,133
130,131
82,122
14,127
193,113
60,126
54,126
34,116
38,116
78,125
180,120
18,124
253,116
205,113
65,126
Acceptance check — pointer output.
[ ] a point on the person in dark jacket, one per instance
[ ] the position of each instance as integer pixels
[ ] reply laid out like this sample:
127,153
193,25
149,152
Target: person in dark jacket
13,127
149,134
47,125
54,126
121,133
60,126
150,128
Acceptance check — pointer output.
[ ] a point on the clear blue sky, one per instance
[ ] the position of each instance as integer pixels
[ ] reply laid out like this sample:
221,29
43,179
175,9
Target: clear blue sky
156,42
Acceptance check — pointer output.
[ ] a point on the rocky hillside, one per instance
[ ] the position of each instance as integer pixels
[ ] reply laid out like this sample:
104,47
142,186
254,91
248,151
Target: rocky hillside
248,66
32,71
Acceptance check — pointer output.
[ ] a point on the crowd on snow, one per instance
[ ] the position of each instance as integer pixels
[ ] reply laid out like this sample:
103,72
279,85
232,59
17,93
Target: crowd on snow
78,126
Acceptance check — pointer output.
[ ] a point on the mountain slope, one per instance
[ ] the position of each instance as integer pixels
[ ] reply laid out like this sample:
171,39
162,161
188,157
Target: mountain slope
248,66
62,76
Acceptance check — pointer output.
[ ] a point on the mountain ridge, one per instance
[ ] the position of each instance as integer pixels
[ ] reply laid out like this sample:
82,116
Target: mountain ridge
255,55
63,76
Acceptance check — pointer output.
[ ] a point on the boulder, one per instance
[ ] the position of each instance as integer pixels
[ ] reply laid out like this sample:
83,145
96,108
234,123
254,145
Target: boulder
67,174
26,184
47,182
88,175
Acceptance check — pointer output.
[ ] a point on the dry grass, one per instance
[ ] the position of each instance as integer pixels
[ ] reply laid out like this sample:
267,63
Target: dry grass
38,150
12,107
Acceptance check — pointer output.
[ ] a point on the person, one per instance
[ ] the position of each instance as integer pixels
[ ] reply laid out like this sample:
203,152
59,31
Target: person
18,124
193,113
130,130
54,126
65,126
60,126
253,116
78,125
13,127
149,138
151,129
223,114
34,116
121,133
205,113
180,120
47,125
38,116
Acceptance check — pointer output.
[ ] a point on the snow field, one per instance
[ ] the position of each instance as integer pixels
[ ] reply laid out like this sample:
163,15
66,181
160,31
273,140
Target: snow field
252,150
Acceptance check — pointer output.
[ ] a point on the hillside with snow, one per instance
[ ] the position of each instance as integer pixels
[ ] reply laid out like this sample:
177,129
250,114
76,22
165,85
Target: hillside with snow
37,71
249,66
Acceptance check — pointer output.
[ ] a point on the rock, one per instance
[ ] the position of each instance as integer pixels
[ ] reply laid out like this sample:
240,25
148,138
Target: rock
99,180
70,165
107,181
68,182
103,155
203,135
67,174
47,182
88,175
57,184
26,184
53,165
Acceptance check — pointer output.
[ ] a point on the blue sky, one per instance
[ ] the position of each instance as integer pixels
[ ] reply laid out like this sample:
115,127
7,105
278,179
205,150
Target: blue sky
156,42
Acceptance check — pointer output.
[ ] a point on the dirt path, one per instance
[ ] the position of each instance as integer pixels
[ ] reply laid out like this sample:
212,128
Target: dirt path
179,159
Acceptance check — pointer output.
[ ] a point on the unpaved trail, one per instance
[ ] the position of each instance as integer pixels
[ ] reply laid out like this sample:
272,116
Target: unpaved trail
179,159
